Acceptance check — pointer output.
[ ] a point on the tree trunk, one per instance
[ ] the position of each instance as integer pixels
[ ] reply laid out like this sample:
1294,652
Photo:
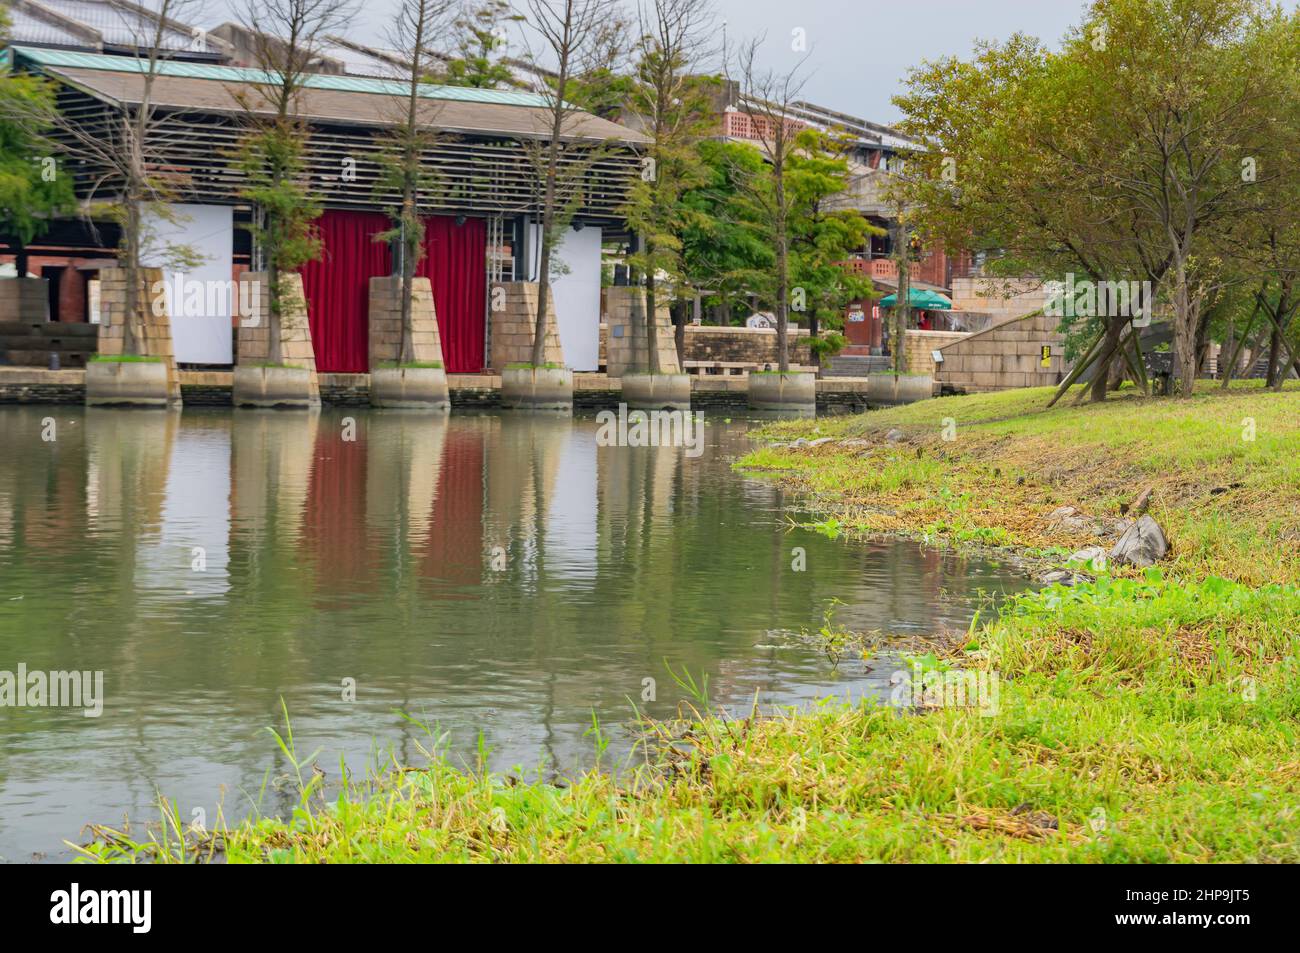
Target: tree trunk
543,289
274,353
1101,368
902,304
132,269
1185,327
782,289
1274,352
407,352
679,333
651,325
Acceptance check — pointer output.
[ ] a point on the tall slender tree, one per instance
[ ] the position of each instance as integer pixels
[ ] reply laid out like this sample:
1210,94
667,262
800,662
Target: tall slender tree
767,100
566,32
825,229
672,104
287,39
121,158
419,23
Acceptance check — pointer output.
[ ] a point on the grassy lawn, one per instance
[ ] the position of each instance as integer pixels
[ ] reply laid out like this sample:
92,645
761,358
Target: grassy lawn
1147,716
1227,503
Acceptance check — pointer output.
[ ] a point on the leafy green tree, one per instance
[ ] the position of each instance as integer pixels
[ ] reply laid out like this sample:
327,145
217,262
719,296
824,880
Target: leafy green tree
481,47
1123,156
32,190
824,232
993,176
672,105
768,100
724,249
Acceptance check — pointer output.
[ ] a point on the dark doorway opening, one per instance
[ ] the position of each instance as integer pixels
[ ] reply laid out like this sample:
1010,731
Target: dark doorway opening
53,275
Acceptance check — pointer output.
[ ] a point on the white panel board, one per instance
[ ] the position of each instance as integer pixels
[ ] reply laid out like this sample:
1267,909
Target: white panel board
201,318
577,294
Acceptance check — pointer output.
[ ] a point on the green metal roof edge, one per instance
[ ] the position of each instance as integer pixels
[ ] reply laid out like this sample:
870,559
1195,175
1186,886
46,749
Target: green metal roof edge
74,59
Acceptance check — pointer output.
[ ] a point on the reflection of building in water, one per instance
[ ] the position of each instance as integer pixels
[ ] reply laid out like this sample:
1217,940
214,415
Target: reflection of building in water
523,465
271,458
335,537
636,489
188,556
453,550
42,489
571,526
403,460
128,455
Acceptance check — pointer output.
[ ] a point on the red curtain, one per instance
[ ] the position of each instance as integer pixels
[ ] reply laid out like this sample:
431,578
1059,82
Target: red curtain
337,286
455,262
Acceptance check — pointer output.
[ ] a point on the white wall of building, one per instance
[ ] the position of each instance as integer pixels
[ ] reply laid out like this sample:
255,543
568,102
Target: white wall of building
577,293
200,335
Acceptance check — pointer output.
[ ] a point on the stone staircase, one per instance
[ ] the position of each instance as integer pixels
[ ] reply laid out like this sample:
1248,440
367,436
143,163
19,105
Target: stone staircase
855,365
30,343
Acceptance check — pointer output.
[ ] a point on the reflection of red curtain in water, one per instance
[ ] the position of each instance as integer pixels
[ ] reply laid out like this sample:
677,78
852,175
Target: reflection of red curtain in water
455,262
455,551
337,286
334,523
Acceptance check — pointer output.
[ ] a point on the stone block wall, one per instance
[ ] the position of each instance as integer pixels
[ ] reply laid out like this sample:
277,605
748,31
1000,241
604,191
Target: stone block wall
254,332
754,345
919,346
625,334
29,385
31,345
999,298
23,299
1006,355
152,327
513,322
386,321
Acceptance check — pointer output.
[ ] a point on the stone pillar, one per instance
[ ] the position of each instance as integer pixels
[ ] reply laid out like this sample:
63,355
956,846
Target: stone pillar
627,347
513,309
153,327
254,333
386,322
294,382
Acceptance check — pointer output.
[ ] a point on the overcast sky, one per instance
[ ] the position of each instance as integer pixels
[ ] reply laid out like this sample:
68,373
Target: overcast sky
861,49
858,51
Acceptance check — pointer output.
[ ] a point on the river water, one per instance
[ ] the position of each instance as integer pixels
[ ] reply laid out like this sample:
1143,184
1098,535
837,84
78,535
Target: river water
503,578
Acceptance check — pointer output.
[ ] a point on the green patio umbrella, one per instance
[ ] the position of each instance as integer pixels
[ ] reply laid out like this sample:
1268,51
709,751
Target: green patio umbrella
920,299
